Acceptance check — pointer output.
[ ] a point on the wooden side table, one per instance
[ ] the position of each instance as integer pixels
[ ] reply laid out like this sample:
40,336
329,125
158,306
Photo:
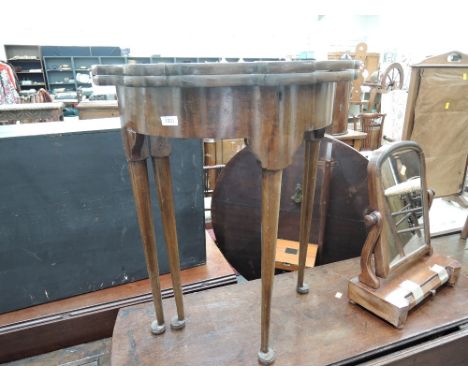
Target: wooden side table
273,105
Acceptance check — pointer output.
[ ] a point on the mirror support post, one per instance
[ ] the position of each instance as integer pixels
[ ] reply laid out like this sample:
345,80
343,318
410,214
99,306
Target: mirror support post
367,275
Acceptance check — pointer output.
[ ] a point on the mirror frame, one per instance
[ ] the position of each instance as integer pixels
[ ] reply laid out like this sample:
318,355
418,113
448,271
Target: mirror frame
377,202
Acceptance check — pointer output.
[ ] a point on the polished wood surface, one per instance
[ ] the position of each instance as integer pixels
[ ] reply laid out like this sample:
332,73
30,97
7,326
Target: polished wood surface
47,327
270,104
272,113
228,319
367,275
390,302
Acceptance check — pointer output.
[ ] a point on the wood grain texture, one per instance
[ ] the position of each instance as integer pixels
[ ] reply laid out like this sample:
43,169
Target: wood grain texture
272,119
272,67
309,180
367,275
162,174
395,310
141,192
340,109
228,322
271,193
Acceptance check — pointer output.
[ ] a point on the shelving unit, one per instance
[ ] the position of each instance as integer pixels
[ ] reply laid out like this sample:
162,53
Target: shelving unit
26,61
59,73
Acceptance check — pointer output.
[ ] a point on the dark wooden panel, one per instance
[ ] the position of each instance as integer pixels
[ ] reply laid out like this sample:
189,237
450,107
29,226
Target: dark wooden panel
448,350
67,217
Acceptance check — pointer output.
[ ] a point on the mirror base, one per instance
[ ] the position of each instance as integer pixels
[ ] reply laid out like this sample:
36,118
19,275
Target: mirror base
397,296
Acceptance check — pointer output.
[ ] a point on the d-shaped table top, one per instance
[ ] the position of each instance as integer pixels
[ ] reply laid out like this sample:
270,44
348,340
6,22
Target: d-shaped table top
271,104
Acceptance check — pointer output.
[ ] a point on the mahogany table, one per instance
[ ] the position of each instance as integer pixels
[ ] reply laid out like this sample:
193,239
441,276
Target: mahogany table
273,105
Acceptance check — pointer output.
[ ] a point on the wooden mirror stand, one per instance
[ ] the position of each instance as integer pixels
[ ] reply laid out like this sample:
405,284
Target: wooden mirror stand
398,268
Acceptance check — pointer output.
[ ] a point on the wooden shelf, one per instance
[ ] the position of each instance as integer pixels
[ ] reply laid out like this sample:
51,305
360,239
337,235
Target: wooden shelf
38,84
24,59
26,72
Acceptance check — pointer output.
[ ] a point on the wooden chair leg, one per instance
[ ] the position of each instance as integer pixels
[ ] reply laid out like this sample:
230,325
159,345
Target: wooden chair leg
271,193
162,174
141,192
312,148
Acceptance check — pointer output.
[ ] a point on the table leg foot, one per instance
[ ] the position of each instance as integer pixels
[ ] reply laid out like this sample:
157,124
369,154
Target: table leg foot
177,324
266,358
303,289
156,328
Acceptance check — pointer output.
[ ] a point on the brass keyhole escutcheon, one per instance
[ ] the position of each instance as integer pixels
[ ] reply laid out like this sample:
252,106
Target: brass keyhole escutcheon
297,196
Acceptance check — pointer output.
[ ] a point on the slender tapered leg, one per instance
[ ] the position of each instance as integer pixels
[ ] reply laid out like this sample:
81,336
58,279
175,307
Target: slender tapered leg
312,148
271,193
141,192
162,174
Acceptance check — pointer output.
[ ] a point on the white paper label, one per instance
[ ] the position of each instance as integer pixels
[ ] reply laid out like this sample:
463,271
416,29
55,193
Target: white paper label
170,120
414,288
398,298
441,272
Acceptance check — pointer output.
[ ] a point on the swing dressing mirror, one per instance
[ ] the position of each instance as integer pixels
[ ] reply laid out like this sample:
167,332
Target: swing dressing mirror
398,269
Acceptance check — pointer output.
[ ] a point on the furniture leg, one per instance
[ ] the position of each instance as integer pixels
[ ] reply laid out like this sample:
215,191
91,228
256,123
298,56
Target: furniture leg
464,232
271,193
162,175
312,148
141,192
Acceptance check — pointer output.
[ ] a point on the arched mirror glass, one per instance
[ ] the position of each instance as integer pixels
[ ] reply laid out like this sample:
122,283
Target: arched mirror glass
401,196
401,182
